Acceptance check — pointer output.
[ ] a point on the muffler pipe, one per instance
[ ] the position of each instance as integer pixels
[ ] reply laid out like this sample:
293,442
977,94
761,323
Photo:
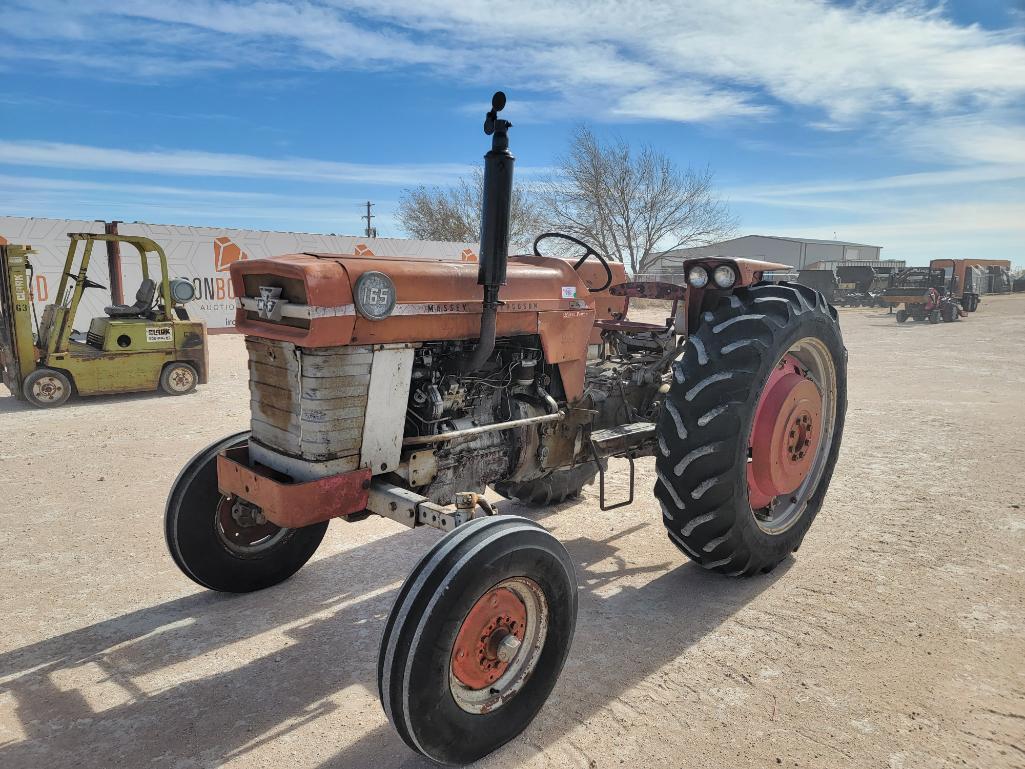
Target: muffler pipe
496,211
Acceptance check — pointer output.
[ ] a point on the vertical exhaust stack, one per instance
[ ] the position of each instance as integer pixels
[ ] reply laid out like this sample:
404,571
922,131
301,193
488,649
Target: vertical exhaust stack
496,210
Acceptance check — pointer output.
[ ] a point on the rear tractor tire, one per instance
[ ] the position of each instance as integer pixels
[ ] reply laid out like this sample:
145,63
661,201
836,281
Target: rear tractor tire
477,638
222,546
558,486
751,428
47,388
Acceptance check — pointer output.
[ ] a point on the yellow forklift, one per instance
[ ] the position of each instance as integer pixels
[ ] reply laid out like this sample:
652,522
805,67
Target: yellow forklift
149,345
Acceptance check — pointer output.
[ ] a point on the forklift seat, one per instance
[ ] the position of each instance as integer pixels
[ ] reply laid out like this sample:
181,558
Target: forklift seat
143,303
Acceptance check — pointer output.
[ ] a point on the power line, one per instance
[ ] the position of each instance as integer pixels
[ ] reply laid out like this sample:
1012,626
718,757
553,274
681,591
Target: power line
370,231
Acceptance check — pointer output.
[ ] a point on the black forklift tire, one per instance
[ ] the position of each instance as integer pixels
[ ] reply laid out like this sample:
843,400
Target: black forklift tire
551,489
47,388
704,430
197,546
902,316
417,669
179,378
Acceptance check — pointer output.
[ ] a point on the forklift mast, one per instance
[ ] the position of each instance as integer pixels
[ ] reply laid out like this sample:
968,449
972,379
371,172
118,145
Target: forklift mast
17,344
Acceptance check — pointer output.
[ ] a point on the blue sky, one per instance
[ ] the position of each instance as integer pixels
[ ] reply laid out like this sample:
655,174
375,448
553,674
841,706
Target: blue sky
890,122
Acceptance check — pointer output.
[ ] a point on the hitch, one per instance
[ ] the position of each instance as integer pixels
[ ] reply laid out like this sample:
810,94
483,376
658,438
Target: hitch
626,441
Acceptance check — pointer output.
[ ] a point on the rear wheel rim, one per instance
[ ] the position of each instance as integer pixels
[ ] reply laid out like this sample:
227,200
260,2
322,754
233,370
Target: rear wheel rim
794,424
498,645
48,389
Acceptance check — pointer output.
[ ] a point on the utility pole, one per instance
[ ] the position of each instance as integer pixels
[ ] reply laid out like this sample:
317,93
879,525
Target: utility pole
370,232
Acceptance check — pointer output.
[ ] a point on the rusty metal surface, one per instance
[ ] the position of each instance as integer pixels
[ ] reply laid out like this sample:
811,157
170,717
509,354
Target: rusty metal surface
308,403
630,325
959,267
475,654
650,290
291,505
564,335
436,300
621,438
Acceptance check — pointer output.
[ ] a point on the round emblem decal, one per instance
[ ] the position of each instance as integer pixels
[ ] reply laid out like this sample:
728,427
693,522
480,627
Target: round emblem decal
374,295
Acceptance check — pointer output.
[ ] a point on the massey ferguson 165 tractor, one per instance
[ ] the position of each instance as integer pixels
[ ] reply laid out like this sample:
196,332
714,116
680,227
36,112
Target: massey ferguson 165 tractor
403,387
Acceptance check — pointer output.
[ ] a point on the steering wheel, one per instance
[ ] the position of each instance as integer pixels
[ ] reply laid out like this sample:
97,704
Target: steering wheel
87,283
588,252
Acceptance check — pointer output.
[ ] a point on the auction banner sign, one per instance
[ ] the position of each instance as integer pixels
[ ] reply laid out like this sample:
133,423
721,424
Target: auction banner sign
202,255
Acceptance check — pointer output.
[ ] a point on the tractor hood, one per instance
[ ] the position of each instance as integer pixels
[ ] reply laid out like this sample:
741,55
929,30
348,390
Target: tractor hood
314,300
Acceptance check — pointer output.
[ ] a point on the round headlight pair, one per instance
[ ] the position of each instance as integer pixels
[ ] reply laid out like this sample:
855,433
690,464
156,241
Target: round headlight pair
723,275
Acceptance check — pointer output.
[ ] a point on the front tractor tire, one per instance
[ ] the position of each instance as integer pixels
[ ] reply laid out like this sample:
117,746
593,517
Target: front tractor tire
751,428
222,545
477,638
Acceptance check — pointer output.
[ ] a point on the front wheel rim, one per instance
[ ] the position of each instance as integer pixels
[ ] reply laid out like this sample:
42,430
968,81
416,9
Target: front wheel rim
242,538
783,475
487,668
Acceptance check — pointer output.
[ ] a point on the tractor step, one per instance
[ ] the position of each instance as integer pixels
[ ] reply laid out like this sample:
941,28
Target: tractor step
621,440
613,441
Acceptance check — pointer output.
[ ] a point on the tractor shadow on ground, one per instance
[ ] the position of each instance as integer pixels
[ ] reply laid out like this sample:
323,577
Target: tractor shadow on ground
132,691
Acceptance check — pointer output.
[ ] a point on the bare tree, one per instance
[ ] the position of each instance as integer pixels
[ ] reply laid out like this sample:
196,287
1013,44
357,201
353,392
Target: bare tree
433,213
632,206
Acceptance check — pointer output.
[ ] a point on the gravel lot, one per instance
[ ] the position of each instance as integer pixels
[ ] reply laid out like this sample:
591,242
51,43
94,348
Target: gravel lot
895,638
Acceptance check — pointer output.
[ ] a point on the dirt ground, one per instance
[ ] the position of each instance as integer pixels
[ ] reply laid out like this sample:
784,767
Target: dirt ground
895,638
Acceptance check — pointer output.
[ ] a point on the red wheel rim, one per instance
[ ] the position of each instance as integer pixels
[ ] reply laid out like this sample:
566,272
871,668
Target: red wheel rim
785,435
485,636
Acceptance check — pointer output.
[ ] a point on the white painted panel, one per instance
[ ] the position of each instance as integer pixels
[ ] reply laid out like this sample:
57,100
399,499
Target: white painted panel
49,237
386,409
201,255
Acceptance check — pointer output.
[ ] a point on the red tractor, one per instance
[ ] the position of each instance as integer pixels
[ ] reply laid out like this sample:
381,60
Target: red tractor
927,294
403,387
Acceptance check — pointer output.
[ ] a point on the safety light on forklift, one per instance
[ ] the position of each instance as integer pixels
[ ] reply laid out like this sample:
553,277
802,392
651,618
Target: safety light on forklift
724,276
698,277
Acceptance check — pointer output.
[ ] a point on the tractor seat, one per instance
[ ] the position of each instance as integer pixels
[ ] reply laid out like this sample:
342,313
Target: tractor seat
143,302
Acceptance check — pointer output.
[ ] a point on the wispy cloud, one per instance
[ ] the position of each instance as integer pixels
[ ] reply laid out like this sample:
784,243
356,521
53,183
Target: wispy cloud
62,198
898,80
680,60
174,162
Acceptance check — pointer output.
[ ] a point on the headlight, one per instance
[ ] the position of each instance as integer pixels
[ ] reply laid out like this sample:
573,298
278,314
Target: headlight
724,276
698,277
374,296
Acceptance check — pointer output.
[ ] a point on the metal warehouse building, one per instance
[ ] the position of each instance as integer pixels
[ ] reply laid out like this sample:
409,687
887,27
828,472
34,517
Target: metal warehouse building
797,252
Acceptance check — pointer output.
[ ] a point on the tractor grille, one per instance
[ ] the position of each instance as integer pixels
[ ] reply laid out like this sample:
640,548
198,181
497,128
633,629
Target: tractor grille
293,291
309,403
